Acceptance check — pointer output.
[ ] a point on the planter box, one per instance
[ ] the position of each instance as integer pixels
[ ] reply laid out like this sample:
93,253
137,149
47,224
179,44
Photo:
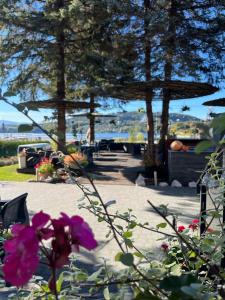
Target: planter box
186,166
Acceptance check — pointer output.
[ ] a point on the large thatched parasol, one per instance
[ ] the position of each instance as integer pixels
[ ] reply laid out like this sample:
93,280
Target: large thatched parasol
61,106
217,102
137,90
58,104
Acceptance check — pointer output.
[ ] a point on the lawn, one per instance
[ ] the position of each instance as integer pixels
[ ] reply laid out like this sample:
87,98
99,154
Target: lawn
9,173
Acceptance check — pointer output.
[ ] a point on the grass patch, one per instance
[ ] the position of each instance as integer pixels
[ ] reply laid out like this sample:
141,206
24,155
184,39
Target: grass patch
9,173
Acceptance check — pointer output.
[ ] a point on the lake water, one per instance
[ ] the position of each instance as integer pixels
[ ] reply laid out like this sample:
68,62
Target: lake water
69,136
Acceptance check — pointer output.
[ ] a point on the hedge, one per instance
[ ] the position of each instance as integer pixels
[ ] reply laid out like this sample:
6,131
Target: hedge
9,148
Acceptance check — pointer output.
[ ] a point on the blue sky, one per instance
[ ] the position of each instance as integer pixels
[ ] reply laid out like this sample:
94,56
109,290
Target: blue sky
196,108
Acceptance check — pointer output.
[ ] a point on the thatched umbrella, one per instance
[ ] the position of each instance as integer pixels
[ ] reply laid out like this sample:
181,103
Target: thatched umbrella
58,105
55,104
137,90
218,102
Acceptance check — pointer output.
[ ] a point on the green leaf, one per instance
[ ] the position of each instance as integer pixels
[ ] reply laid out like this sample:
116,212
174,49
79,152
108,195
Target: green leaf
19,107
161,225
118,256
9,94
127,234
202,146
192,254
95,275
132,225
81,276
176,270
59,283
128,243
192,289
146,296
106,293
127,259
119,227
174,283
138,254
25,128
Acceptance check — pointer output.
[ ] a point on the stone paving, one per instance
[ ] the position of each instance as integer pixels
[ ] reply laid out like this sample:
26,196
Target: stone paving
56,198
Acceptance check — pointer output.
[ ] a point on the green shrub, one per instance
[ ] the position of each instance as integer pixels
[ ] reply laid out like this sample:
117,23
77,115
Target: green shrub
71,148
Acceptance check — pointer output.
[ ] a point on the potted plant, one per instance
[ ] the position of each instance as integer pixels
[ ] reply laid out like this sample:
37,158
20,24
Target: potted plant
45,168
74,158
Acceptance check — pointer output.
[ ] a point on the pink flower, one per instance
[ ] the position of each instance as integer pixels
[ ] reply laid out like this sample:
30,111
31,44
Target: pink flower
22,249
210,230
80,232
21,259
180,228
194,224
195,221
165,247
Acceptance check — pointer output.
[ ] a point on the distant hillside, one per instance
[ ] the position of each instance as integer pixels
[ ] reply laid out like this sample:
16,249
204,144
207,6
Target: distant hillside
122,122
125,121
141,117
7,122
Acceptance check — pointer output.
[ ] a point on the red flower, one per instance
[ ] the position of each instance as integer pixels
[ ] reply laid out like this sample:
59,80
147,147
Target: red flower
180,228
195,221
194,225
165,247
210,230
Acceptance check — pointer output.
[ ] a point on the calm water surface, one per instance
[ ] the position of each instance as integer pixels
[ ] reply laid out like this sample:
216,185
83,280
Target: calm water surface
69,136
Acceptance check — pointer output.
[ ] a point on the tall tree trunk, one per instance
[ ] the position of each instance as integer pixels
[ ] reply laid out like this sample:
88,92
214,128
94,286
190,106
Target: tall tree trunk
60,74
168,76
150,154
92,119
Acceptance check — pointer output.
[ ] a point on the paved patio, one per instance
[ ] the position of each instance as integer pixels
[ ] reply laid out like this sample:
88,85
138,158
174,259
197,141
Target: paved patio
56,198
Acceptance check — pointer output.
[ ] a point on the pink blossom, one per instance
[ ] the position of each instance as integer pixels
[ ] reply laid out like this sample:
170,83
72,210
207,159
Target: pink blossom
194,224
21,259
180,228
81,233
39,220
195,221
21,250
165,247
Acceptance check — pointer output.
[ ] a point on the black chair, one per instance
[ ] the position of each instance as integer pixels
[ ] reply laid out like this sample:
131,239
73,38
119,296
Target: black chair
14,211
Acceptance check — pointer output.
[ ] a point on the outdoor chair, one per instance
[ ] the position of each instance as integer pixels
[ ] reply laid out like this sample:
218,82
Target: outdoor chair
14,211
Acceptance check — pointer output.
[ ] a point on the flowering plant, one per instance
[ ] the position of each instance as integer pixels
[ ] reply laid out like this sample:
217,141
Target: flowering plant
67,234
79,157
45,167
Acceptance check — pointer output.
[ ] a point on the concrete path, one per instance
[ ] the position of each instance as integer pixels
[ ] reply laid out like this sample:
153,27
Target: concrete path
56,198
